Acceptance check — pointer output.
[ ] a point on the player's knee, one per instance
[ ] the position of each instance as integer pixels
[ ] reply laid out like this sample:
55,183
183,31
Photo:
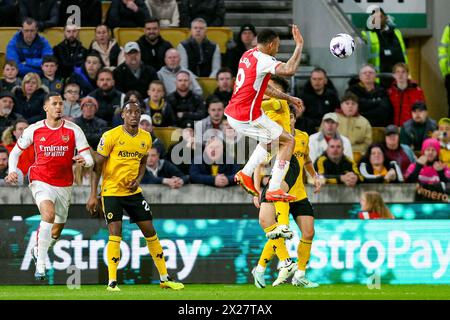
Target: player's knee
308,234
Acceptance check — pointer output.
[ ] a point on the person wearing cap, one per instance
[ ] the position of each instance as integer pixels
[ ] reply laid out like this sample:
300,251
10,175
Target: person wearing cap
395,151
127,14
318,142
92,126
245,40
133,74
419,128
86,75
146,124
212,11
7,116
385,42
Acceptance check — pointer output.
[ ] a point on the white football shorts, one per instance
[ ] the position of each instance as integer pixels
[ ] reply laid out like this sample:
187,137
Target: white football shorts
262,129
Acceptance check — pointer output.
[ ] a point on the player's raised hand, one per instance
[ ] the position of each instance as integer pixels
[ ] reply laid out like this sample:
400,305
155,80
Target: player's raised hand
298,104
79,160
92,205
317,183
12,178
298,38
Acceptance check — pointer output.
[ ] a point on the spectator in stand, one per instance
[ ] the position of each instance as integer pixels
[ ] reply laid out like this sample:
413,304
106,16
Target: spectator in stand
212,125
403,94
30,98
109,50
443,135
27,48
444,60
160,171
133,74
9,13
86,75
215,168
374,104
92,126
91,12
373,207
153,46
185,105
167,74
353,125
10,79
109,99
394,151
72,108
245,40
224,88
304,124
375,168
318,142
419,128
212,11
7,116
182,153
145,123
70,52
199,54
9,139
156,105
45,12
4,155
49,78
335,167
319,96
127,14
166,11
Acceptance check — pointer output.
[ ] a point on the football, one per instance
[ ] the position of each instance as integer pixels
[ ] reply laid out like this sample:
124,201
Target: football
342,45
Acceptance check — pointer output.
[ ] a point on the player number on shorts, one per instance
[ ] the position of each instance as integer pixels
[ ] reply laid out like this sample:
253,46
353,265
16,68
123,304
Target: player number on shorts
146,206
240,78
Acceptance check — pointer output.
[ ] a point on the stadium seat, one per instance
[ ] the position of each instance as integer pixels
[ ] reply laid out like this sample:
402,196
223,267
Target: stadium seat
124,35
221,36
86,35
53,35
105,8
174,35
168,135
2,61
208,85
6,34
378,134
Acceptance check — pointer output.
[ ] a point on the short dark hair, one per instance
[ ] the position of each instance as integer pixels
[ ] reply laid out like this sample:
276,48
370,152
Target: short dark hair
94,53
49,58
158,82
20,120
151,20
11,63
266,36
29,20
104,70
51,94
223,70
4,150
183,71
282,82
214,99
319,69
349,96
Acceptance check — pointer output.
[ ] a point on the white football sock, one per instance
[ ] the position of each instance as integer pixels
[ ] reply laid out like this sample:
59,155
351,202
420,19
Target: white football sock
164,277
279,170
52,242
260,268
257,157
44,240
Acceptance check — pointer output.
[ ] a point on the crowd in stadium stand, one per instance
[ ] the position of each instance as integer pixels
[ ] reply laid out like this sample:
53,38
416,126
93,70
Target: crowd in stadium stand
163,79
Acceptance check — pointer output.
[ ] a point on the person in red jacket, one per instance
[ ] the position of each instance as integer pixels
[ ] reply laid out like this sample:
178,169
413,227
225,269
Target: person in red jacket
403,93
373,207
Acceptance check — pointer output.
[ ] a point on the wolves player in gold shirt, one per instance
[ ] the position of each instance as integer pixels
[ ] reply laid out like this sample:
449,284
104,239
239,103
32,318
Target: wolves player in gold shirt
121,158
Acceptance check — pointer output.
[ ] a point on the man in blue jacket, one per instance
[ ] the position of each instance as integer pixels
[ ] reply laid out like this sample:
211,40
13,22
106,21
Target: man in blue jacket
27,48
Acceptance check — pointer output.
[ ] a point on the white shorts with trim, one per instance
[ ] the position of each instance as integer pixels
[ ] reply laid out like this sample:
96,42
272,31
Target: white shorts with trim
262,129
60,196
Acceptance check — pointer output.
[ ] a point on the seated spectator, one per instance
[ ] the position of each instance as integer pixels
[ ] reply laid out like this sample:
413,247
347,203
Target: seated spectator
167,74
304,124
403,94
182,153
212,11
318,142
374,104
9,13
443,135
245,40
27,48
319,96
109,99
335,167
4,155
72,108
394,151
109,50
373,207
70,52
419,128
185,105
199,54
45,12
30,98
156,106
145,123
86,75
211,126
91,12
160,171
7,116
166,11
127,14
10,79
430,173
92,126
49,77
153,46
9,139
353,125
215,168
375,168
224,88
133,74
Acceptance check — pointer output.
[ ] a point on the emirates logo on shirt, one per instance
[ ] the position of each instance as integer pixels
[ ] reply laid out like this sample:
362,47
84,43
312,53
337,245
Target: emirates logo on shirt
54,151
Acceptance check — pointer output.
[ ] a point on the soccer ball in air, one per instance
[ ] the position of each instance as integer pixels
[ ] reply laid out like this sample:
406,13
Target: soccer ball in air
342,46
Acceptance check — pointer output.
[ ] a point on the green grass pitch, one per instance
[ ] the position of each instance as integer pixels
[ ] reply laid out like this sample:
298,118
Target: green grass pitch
228,292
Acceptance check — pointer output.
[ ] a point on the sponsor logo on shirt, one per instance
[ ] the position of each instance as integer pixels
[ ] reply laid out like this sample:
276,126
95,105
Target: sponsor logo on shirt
54,151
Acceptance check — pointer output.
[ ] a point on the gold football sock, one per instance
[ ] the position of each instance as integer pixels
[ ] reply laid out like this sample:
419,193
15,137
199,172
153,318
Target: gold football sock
279,247
157,253
113,252
282,212
267,254
304,252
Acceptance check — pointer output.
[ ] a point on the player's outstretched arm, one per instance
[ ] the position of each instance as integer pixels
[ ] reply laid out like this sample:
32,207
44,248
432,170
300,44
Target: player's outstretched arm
92,203
277,94
289,68
313,174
